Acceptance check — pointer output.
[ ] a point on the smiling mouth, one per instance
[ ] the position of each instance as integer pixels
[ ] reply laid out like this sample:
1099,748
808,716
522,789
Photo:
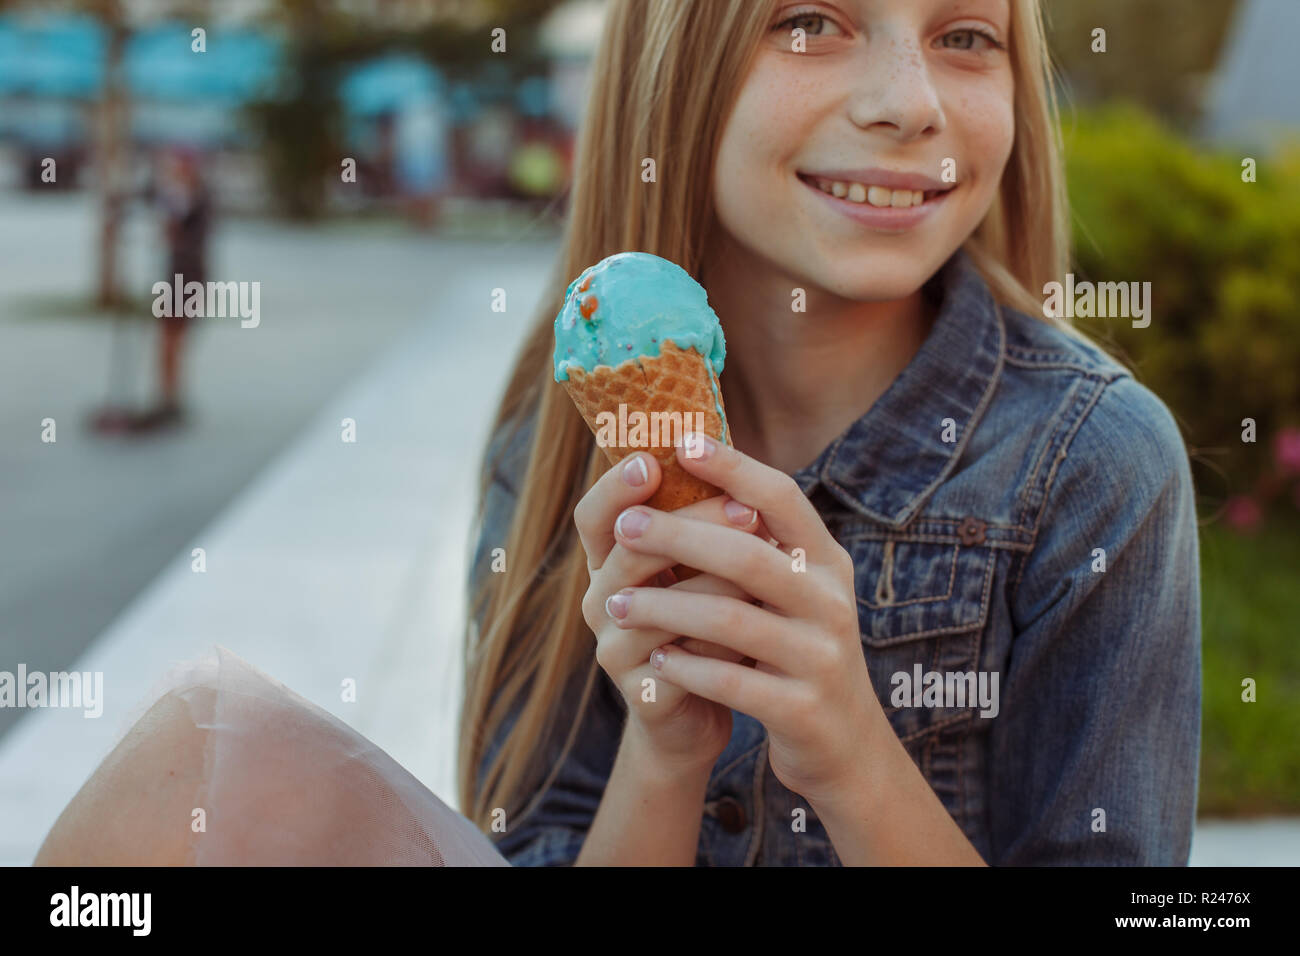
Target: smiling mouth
866,194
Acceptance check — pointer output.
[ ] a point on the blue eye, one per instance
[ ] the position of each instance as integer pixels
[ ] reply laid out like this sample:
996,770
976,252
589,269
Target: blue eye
806,21
969,39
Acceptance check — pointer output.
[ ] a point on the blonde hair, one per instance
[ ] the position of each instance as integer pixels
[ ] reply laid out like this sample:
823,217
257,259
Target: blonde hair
667,70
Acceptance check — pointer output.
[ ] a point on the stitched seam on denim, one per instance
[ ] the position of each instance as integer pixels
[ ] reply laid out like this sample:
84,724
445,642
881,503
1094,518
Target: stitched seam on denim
937,519
756,840
950,749
976,416
885,580
1050,361
847,530
1031,359
952,576
946,722
703,848
949,629
977,413
1047,488
723,771
1014,583
718,774
992,542
919,635
959,755
972,658
1049,447
1072,416
962,738
822,475
1035,359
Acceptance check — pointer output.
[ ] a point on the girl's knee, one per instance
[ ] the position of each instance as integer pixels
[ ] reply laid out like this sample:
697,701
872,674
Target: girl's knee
137,806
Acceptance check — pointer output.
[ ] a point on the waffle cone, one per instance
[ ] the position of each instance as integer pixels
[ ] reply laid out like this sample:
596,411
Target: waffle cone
677,380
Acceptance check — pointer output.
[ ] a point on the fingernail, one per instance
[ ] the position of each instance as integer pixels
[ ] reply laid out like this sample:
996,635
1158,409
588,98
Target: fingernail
635,472
631,523
738,513
657,658
616,604
698,445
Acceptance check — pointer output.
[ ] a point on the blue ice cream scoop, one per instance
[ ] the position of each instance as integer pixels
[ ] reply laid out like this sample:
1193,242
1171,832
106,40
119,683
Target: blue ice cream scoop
626,306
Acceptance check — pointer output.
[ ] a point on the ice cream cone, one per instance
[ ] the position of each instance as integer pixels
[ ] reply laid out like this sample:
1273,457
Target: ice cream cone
639,351
669,390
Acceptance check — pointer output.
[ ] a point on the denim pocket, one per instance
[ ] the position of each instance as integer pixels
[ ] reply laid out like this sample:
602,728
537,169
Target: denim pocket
922,606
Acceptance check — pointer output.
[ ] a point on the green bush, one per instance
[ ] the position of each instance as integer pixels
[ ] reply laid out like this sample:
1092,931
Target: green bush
1223,259
1250,763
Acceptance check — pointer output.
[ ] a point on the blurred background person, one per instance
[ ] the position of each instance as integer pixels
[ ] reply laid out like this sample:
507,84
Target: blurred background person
186,209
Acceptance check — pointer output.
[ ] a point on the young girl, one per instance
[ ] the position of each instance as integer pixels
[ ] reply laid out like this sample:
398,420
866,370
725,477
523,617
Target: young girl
948,609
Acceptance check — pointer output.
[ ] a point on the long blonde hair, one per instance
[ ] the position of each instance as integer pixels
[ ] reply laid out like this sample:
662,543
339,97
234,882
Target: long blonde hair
664,79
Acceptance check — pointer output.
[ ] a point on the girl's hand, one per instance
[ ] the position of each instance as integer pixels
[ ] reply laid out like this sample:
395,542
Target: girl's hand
810,687
686,731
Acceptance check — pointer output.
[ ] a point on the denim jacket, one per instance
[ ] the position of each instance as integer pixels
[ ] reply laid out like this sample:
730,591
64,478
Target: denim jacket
1020,509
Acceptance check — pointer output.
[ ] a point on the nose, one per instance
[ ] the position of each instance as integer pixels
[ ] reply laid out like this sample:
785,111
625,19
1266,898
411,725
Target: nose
896,94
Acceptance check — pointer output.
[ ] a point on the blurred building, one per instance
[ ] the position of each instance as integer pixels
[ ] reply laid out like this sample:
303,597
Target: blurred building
52,77
1255,97
415,130
569,35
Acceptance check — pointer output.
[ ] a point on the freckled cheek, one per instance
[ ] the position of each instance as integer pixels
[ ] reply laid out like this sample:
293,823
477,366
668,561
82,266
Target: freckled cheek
987,130
770,124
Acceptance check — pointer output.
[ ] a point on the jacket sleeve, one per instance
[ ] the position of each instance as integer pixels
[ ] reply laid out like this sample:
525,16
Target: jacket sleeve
1095,755
504,463
552,828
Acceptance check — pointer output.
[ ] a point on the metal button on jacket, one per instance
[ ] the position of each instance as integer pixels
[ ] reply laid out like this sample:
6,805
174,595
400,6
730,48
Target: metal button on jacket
731,814
971,531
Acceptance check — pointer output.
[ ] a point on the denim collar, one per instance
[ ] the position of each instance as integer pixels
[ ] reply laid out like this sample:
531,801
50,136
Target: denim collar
888,462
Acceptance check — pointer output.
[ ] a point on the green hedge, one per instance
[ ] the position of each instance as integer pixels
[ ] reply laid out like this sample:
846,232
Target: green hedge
1250,761
1223,258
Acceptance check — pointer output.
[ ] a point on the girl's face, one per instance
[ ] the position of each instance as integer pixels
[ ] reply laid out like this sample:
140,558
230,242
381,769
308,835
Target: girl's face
837,164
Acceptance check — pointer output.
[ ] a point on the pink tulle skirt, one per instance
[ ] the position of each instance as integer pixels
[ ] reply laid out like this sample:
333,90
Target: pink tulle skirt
285,783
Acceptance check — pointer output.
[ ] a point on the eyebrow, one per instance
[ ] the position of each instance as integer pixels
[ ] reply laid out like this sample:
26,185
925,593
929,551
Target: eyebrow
1003,6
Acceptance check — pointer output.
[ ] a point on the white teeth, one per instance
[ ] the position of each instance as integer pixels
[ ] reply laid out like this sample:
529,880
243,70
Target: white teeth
880,196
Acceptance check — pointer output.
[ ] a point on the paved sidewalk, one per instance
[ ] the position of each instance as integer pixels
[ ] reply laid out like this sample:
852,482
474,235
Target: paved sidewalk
1274,841
87,523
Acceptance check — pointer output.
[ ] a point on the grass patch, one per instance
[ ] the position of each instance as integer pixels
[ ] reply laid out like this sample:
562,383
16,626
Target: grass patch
1250,603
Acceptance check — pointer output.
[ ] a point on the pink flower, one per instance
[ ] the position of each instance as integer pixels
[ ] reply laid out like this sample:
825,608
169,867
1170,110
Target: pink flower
1286,450
1242,513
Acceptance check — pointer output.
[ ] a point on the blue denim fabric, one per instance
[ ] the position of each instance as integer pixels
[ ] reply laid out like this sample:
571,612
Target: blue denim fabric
977,554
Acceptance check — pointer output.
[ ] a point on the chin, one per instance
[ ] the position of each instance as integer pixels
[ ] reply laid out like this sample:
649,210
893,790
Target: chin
875,277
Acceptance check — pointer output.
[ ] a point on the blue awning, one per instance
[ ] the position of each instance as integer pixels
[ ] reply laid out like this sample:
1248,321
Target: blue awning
64,57
383,85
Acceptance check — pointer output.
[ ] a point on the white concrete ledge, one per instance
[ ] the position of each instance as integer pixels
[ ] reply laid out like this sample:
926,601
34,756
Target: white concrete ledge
339,561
